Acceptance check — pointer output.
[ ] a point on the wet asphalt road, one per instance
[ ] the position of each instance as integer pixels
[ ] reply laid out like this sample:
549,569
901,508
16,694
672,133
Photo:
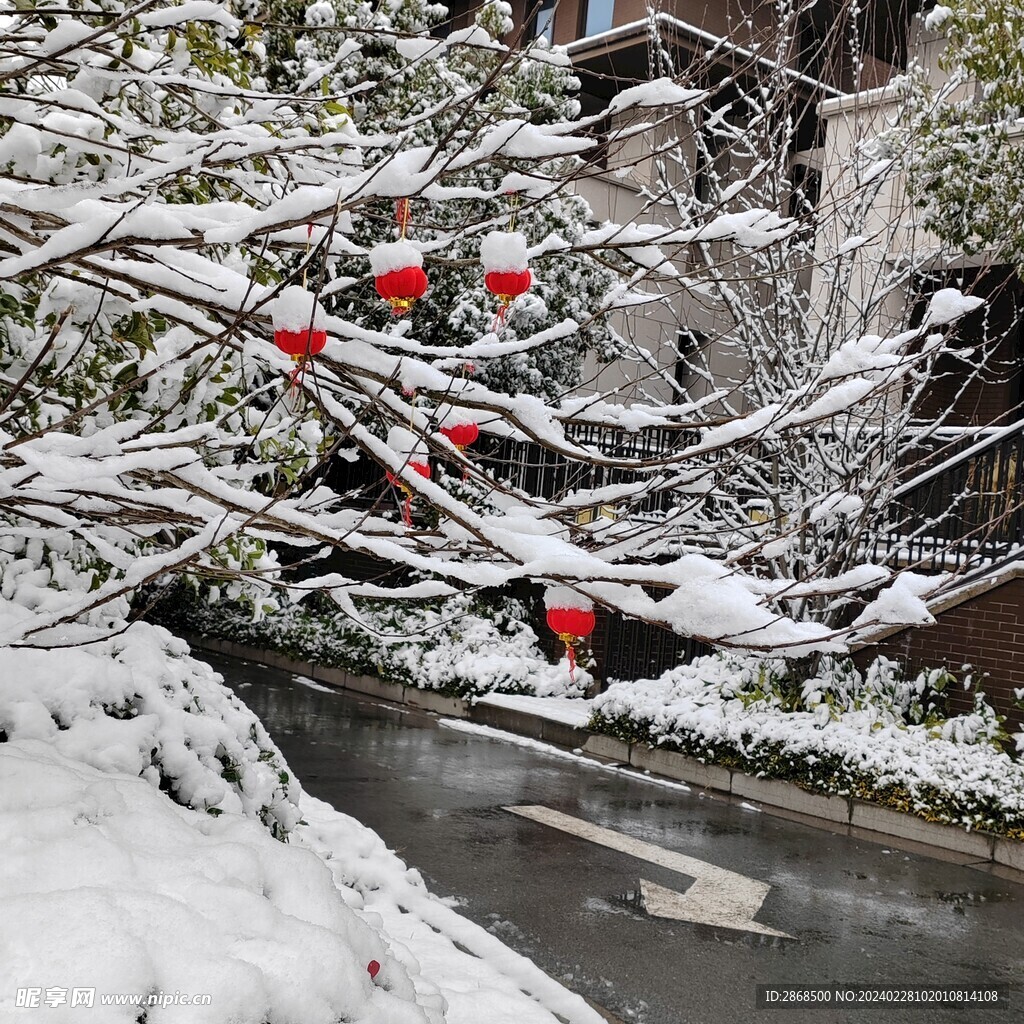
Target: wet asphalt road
861,913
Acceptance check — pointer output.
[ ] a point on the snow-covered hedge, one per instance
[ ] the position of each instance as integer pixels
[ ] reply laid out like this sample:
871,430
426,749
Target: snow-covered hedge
137,703
110,886
877,736
456,646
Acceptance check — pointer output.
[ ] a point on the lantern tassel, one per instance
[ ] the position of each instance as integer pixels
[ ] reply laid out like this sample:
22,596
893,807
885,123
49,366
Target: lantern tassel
569,640
499,319
407,509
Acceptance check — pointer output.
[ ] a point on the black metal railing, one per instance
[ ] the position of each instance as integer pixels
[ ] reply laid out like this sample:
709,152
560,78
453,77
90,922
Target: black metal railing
534,469
965,512
639,650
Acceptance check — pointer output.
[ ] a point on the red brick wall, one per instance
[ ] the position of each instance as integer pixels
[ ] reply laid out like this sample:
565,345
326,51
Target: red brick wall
986,632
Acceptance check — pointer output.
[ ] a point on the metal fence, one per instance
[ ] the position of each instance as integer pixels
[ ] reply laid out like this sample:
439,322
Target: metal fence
532,468
966,511
638,650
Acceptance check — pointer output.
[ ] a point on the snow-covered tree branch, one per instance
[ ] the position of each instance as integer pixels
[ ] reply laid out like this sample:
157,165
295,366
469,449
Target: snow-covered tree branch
162,202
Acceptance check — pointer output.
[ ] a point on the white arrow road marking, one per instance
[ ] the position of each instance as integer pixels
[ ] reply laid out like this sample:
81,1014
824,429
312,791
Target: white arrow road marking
717,897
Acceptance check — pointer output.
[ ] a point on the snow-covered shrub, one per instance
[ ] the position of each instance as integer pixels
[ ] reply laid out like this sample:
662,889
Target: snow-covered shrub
108,884
459,646
879,735
139,704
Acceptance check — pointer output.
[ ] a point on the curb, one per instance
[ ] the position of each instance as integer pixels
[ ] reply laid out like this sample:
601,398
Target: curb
846,814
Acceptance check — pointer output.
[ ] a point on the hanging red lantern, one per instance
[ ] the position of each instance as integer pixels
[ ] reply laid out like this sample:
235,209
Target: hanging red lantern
503,254
459,427
462,435
407,446
299,321
571,617
398,272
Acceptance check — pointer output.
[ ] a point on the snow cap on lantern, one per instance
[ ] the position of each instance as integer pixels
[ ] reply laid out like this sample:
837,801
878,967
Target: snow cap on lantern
398,270
506,274
566,597
504,252
412,451
299,322
407,444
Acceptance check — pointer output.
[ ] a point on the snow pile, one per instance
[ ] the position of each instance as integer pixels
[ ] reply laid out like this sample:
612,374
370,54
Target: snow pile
110,885
391,256
158,912
949,304
457,646
878,735
504,252
407,444
137,703
295,307
661,92
481,979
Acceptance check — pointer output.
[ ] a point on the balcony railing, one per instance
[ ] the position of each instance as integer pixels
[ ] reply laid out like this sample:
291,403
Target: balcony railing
965,512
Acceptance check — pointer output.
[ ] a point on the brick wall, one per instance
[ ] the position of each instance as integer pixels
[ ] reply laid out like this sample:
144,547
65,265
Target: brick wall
986,632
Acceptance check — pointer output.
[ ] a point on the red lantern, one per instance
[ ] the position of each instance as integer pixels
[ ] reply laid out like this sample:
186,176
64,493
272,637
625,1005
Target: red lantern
423,468
413,455
298,323
503,254
508,285
571,617
462,435
299,344
398,273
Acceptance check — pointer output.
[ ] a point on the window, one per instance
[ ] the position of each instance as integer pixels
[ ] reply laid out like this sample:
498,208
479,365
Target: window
597,16
543,24
689,345
806,191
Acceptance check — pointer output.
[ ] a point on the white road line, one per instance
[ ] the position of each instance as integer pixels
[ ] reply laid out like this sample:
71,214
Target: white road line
717,897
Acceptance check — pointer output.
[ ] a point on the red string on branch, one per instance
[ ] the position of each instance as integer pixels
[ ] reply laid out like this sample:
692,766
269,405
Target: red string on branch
402,215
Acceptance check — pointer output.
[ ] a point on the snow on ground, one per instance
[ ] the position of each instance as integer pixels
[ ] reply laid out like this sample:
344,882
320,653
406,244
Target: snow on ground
483,982
139,800
574,711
